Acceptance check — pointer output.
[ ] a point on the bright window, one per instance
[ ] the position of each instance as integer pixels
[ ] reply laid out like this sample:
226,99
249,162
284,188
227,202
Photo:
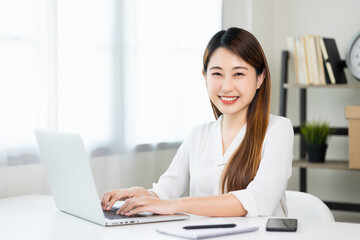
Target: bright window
121,73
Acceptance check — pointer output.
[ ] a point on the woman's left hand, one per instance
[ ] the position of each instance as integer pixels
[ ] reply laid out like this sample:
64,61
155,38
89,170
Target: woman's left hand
148,204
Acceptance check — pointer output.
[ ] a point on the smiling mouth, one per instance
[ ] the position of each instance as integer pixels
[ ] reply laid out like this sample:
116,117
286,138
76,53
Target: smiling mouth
228,100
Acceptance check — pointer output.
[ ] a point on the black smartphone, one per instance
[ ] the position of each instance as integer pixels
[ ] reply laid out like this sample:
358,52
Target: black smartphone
281,225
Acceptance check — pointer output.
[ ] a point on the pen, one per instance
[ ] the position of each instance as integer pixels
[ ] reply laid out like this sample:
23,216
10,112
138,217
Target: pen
230,225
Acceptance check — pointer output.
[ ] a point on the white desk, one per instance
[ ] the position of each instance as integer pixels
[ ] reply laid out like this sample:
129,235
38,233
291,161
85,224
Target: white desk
36,217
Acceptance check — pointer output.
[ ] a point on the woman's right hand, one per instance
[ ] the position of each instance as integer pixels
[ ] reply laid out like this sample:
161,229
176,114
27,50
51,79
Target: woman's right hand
109,198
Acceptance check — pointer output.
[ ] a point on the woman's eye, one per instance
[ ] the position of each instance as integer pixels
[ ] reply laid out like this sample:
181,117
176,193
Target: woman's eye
239,74
216,74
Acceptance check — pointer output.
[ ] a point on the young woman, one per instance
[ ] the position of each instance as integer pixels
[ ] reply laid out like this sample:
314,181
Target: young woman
238,165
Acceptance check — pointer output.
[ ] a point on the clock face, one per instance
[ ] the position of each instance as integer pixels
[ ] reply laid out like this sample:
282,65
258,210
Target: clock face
353,57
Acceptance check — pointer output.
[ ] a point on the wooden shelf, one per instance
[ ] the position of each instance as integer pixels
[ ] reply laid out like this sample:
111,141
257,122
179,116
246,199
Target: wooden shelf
328,86
328,164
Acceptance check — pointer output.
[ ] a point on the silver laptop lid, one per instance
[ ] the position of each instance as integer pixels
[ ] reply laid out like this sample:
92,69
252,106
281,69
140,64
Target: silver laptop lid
70,177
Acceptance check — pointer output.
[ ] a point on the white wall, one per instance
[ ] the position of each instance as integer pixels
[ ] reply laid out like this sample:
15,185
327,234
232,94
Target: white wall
22,180
271,21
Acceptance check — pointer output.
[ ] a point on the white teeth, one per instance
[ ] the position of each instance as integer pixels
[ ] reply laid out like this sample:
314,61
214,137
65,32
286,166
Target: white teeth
229,99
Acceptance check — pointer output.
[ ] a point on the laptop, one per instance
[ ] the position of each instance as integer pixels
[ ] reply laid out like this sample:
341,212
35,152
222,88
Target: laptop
72,183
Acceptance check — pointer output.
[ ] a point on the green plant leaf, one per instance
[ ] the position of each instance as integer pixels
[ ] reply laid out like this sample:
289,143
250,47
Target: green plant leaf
315,132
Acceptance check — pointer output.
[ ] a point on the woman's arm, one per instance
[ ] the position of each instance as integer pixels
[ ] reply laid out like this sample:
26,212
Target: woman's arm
225,205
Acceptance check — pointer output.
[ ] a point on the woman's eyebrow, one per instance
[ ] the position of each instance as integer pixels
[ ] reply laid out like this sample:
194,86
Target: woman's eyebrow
215,67
240,67
234,68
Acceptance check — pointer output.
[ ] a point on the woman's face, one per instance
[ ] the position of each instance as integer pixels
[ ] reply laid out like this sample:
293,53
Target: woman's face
231,83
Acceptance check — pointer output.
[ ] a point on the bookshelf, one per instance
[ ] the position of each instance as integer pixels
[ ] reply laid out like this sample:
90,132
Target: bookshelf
302,163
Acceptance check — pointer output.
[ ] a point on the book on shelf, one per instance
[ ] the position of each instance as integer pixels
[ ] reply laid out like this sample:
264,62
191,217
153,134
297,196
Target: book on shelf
330,78
304,63
320,62
316,60
298,58
333,61
293,57
311,59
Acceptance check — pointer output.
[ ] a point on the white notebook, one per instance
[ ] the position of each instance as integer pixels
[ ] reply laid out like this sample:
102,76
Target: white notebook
179,231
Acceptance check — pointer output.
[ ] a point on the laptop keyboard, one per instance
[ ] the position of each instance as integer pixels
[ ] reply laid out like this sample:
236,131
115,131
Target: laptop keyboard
111,214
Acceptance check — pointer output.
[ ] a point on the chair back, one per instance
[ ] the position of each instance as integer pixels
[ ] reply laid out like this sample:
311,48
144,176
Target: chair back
307,207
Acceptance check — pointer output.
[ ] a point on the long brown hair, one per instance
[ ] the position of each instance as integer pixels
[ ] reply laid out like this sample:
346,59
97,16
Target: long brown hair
243,165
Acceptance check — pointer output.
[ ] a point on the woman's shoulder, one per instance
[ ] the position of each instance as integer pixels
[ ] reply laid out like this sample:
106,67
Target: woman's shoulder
279,122
279,131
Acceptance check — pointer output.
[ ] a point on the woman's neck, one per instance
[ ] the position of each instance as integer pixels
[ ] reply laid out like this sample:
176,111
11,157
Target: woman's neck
233,123
230,127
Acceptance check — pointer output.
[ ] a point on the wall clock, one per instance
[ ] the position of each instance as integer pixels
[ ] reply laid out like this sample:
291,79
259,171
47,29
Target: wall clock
353,56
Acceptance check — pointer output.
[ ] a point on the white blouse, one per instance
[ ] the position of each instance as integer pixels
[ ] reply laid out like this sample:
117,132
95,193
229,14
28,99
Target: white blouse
198,164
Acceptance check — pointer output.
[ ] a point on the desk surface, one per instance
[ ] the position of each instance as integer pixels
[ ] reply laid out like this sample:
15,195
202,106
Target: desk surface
36,217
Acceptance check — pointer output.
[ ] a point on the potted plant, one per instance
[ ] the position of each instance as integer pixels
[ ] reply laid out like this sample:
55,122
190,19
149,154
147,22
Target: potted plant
315,134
